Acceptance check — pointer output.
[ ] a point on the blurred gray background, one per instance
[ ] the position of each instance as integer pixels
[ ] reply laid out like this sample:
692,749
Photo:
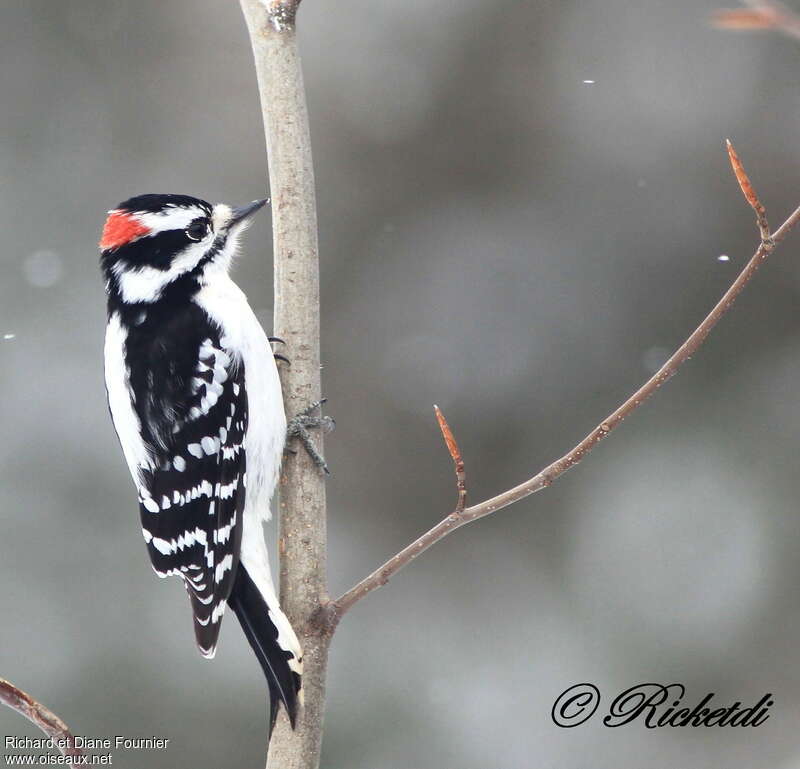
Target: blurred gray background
499,236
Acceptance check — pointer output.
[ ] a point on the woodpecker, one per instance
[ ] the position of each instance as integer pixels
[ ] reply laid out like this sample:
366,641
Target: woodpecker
196,402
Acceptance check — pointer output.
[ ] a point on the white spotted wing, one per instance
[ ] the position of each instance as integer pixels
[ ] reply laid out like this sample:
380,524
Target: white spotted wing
192,503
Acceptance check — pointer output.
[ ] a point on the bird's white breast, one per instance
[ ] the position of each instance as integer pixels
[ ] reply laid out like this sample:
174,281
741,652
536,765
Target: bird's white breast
243,337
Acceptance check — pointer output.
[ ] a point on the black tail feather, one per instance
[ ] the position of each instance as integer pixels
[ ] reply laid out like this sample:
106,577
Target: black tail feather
253,613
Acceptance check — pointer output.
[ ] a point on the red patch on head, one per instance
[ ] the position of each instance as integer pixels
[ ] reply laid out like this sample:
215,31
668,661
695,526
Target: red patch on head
121,228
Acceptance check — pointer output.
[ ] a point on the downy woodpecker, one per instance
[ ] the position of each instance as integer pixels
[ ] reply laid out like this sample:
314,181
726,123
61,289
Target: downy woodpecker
196,401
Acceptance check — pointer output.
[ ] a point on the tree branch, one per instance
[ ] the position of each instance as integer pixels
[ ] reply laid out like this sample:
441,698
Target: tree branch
303,539
334,611
39,715
302,543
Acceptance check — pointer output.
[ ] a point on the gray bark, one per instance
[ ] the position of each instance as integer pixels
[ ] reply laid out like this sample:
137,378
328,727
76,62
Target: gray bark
302,543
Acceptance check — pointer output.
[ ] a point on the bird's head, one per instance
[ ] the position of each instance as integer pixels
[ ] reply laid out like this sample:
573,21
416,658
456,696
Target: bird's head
152,243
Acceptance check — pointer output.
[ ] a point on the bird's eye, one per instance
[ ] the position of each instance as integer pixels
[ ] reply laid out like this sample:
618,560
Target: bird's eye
197,230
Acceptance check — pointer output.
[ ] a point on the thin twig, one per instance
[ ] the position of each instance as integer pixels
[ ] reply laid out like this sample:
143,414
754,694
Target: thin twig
545,477
761,14
39,715
458,461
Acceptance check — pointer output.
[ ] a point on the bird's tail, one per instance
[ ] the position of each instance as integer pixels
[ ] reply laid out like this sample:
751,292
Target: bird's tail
268,630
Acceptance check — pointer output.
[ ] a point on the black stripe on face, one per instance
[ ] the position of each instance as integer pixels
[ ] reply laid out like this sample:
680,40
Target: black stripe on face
174,294
155,250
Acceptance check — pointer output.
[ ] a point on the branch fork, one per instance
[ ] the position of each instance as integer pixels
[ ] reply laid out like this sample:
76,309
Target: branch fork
304,594
463,515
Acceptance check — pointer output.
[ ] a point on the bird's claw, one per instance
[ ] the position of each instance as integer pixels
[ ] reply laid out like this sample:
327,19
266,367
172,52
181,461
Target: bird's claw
277,355
299,426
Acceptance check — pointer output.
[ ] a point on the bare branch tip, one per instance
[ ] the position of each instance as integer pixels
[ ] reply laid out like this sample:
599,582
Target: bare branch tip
552,472
761,15
458,461
744,182
449,438
744,18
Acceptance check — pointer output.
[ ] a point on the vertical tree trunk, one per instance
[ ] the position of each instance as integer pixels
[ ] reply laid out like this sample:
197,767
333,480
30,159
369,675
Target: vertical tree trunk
302,544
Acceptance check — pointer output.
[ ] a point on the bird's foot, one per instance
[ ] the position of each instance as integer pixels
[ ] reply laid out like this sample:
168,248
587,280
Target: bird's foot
299,426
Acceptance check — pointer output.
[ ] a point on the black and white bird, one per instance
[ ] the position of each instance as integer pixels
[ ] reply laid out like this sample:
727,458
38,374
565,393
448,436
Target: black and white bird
196,401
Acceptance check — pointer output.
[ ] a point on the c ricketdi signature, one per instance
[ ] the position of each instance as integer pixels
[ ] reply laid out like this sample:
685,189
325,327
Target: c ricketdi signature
656,705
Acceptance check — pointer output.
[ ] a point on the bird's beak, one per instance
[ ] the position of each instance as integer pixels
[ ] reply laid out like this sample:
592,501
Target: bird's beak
241,213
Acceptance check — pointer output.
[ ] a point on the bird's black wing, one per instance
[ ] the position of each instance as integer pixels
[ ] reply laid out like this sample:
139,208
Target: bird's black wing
194,414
